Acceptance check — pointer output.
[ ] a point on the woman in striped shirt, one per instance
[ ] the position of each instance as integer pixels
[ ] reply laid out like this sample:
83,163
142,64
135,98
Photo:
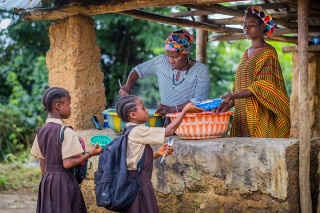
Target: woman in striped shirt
181,79
259,95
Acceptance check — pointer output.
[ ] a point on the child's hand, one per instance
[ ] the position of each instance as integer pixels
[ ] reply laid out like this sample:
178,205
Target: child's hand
95,150
191,108
165,149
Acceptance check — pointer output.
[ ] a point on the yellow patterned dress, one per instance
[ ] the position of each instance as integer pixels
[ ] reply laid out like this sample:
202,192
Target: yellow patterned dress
266,114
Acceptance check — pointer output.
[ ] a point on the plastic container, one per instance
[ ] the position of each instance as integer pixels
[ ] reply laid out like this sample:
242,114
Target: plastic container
105,121
102,140
209,104
202,125
115,123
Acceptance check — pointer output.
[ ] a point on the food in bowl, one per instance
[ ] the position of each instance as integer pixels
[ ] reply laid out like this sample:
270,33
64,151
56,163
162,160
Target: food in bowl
202,125
209,104
115,123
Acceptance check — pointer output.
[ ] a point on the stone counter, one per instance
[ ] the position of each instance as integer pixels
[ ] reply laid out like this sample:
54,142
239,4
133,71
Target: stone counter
223,175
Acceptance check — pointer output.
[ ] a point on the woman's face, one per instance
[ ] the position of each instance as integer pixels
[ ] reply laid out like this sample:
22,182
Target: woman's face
177,60
252,28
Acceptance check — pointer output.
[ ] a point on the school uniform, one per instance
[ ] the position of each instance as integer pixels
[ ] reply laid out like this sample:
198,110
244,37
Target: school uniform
139,139
59,190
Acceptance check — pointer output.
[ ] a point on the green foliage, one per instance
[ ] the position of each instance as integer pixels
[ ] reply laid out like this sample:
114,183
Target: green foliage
23,78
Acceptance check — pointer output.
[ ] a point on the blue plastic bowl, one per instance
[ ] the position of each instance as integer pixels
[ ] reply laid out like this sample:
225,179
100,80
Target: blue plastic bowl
209,104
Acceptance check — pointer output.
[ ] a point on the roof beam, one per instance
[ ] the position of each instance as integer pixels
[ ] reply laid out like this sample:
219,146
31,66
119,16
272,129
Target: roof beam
113,6
217,8
180,22
276,33
311,48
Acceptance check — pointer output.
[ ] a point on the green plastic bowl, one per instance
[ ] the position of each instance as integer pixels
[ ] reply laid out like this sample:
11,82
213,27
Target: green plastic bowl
102,140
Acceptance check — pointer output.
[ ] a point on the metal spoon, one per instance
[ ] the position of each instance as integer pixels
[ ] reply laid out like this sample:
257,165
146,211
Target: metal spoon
170,142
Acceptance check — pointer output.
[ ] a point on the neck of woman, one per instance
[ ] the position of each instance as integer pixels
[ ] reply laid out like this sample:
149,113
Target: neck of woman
258,44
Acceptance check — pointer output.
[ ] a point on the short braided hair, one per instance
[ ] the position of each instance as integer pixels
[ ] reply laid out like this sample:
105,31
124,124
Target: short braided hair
125,105
53,94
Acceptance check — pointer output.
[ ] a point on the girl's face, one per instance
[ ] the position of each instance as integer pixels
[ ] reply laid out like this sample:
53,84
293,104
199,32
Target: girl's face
141,114
65,109
252,28
177,60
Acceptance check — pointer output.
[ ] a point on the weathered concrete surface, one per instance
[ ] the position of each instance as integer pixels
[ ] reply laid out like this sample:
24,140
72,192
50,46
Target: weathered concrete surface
73,63
313,95
223,175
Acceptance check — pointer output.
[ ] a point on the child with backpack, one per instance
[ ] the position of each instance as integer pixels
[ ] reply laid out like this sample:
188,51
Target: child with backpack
59,190
131,110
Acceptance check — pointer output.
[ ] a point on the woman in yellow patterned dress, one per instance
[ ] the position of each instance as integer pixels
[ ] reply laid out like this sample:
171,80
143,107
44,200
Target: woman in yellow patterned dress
259,94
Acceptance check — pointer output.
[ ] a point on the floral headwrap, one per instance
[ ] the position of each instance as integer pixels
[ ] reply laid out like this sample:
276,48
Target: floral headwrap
179,41
264,16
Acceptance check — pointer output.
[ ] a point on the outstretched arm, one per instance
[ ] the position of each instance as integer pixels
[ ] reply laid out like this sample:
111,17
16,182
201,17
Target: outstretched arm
76,160
189,108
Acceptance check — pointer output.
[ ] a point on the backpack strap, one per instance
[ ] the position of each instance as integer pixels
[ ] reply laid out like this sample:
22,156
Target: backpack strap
140,163
63,128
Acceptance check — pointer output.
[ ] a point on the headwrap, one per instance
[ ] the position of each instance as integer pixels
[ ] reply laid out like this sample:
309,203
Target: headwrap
264,16
179,41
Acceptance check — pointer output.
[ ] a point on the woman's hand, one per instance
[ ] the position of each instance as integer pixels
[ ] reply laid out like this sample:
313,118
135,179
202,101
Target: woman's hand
225,105
164,109
125,90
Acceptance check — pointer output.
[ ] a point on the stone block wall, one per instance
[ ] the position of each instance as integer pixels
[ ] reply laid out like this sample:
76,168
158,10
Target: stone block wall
224,175
73,63
313,94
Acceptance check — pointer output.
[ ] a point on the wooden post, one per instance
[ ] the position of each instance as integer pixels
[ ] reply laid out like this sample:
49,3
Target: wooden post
304,133
201,42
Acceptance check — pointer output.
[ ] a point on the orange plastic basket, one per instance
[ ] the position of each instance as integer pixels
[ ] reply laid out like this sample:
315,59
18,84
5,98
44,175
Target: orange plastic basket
202,125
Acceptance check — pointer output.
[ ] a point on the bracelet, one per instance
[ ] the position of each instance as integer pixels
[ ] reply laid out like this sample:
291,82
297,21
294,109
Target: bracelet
89,154
176,108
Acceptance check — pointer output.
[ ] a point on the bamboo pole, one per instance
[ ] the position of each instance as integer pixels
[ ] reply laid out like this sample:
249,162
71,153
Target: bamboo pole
311,48
304,127
201,42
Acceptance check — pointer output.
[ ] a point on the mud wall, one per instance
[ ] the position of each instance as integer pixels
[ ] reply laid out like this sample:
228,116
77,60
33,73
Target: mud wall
224,175
73,63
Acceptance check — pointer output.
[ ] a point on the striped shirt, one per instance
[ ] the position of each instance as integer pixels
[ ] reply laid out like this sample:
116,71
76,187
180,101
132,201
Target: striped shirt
195,87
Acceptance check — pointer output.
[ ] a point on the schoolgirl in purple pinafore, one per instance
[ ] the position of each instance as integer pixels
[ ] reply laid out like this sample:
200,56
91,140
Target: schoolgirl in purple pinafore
139,138
59,190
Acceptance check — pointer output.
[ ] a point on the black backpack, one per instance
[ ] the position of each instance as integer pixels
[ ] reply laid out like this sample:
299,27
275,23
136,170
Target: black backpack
80,171
115,189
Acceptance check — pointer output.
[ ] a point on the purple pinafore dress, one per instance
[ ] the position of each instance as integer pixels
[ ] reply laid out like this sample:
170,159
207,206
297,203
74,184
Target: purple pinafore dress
59,190
148,203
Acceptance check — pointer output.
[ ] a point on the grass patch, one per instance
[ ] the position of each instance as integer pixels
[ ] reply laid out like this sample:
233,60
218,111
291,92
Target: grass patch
16,176
19,178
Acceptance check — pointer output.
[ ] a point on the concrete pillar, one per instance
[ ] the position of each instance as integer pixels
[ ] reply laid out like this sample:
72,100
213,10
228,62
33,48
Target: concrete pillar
313,95
73,63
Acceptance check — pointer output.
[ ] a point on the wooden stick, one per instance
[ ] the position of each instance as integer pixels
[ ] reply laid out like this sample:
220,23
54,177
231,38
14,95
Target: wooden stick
217,8
190,13
180,22
304,123
102,8
311,48
201,42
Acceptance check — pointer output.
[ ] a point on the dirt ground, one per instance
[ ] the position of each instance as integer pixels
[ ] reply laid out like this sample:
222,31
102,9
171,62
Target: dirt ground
18,203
